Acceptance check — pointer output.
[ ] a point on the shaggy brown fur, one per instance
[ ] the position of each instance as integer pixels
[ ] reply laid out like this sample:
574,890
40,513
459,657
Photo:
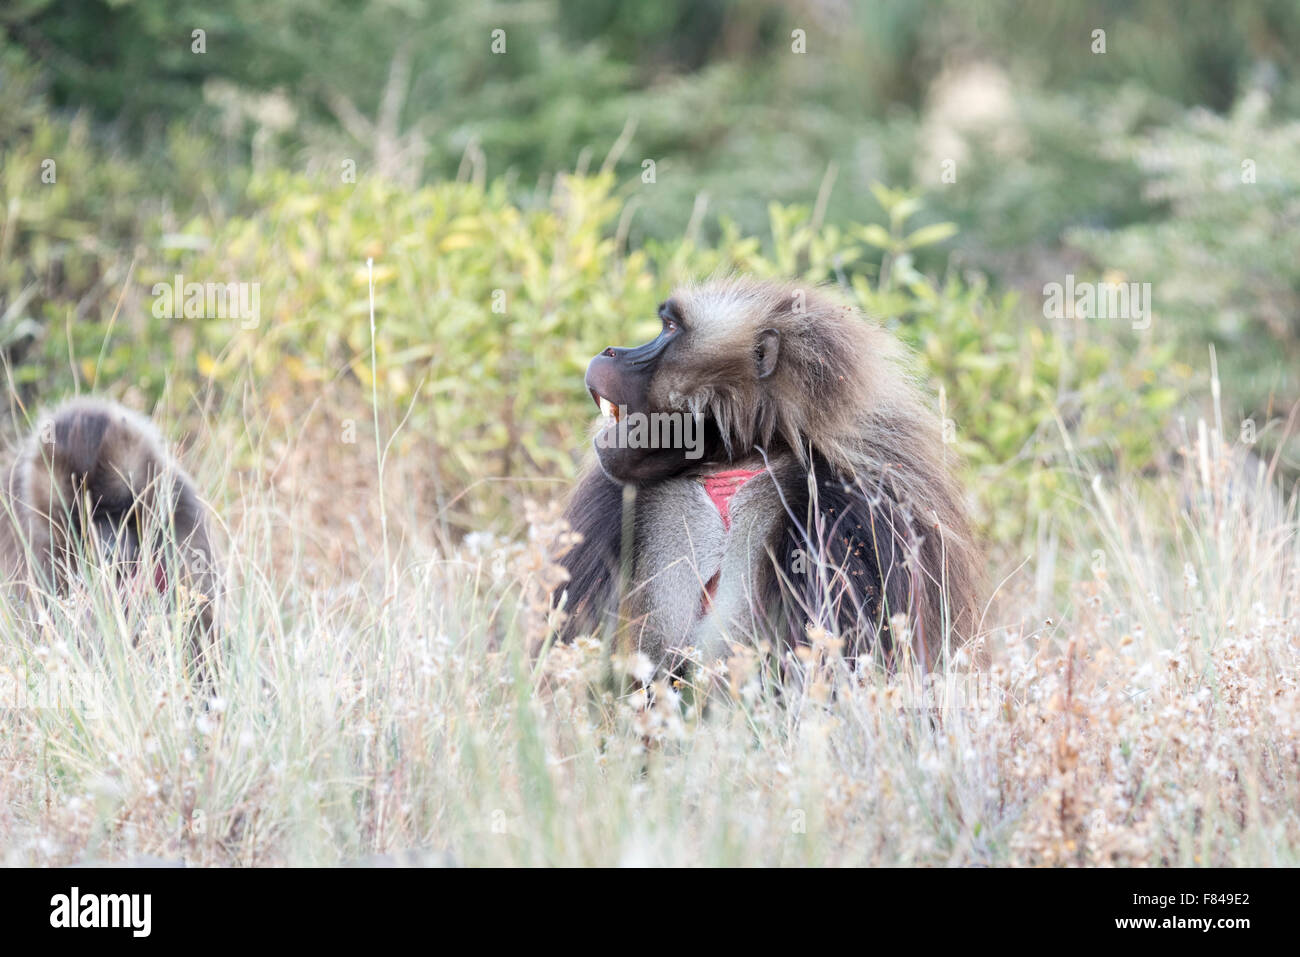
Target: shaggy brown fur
834,368
841,392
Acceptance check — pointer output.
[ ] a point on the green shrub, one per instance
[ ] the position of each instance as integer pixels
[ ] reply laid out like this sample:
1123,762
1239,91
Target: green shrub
487,310
487,314
76,216
1015,389
1223,258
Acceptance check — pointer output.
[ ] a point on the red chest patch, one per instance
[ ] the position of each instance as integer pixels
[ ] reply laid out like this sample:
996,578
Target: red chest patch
721,486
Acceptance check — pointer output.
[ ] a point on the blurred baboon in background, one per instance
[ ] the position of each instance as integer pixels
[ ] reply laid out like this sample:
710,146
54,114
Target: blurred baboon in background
93,482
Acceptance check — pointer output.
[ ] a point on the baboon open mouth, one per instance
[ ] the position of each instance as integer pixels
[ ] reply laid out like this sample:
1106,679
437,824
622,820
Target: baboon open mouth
607,408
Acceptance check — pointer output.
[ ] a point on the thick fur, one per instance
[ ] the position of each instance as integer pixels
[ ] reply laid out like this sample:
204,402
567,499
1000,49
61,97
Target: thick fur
858,519
93,480
596,513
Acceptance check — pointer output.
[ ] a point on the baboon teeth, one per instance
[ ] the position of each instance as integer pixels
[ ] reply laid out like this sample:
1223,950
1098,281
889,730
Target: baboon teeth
608,409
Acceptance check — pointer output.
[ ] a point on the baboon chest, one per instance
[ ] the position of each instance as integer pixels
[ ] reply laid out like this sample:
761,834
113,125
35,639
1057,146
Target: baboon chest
700,545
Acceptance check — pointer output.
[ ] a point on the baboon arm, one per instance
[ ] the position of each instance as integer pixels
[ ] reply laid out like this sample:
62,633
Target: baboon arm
840,560
596,513
190,527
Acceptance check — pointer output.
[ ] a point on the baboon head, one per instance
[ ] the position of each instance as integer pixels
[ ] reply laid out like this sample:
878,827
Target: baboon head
98,477
762,366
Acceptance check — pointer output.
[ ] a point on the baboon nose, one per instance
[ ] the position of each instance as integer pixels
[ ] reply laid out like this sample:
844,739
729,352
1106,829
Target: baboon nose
610,352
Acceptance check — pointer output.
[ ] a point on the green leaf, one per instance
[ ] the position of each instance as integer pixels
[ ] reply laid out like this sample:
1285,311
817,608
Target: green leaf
929,235
876,236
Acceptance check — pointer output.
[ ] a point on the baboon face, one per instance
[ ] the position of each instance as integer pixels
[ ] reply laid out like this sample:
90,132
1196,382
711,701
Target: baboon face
116,533
699,354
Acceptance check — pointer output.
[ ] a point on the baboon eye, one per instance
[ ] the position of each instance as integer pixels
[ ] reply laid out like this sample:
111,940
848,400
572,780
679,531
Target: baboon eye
671,317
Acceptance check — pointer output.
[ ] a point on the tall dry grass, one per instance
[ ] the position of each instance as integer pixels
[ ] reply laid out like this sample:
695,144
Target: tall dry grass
1146,712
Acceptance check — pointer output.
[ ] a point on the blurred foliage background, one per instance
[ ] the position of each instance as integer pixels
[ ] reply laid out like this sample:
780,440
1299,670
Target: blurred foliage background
531,177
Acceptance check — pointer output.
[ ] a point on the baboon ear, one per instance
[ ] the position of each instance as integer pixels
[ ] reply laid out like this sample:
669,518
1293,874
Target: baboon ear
769,345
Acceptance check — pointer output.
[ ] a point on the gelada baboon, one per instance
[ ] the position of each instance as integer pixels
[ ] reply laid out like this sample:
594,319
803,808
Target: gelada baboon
787,474
93,482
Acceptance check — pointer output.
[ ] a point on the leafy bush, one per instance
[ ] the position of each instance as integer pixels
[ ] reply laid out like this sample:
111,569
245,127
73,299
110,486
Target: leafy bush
1222,260
487,310
76,215
487,314
57,261
1015,390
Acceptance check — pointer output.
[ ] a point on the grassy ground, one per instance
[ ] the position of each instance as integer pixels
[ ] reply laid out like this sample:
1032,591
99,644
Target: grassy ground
1147,713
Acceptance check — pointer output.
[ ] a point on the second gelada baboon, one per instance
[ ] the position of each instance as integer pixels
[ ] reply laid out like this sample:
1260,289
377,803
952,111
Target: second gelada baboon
93,482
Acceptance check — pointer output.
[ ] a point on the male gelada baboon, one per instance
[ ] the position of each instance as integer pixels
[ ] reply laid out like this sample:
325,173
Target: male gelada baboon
786,474
93,482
